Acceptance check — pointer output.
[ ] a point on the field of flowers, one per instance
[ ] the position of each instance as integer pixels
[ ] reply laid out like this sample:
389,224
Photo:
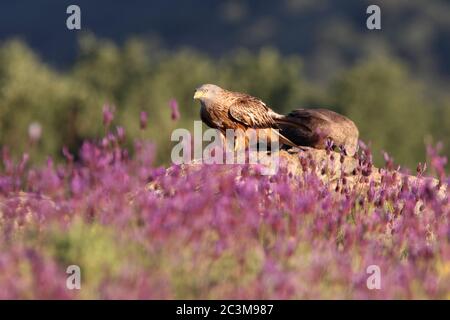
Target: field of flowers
214,231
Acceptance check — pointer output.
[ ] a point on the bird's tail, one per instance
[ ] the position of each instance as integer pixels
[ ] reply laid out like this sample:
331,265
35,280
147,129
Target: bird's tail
282,138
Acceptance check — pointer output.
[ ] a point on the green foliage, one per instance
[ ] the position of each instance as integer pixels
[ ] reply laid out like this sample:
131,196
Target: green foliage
441,124
380,95
98,250
31,91
388,106
267,75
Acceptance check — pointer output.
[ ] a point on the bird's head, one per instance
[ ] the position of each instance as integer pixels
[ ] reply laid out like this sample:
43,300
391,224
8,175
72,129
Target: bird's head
207,92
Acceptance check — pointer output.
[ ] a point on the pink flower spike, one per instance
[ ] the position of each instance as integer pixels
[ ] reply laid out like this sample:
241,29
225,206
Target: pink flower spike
143,119
174,107
108,115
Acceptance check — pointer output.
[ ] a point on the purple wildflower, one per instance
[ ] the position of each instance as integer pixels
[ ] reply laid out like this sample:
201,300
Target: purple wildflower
175,113
143,119
289,235
108,115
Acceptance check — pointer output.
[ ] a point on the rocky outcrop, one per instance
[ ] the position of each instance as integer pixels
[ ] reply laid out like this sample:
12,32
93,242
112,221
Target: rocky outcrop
338,171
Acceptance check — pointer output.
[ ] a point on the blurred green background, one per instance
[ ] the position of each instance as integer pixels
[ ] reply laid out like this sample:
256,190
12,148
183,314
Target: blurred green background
296,53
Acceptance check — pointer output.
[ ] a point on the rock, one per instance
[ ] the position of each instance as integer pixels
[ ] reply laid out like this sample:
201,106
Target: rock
333,168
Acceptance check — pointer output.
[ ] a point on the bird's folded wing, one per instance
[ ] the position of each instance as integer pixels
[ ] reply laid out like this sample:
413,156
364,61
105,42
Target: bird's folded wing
251,112
311,114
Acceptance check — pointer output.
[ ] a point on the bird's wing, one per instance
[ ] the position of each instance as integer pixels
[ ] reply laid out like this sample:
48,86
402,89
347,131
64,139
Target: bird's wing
251,112
321,115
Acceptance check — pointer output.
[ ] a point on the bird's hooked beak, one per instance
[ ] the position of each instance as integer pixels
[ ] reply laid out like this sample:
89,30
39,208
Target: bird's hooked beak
198,94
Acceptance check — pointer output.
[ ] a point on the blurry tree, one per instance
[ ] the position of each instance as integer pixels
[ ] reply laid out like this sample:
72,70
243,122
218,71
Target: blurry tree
275,79
379,94
388,106
140,76
31,92
441,125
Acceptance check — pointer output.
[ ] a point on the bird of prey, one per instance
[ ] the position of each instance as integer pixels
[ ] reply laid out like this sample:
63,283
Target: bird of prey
313,127
222,109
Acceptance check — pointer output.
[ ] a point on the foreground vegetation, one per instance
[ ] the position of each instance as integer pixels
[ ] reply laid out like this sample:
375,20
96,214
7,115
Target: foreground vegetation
140,231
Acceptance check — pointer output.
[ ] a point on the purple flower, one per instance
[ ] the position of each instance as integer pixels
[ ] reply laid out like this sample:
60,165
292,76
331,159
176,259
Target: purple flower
289,235
175,115
120,133
143,119
108,115
437,161
76,184
67,154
